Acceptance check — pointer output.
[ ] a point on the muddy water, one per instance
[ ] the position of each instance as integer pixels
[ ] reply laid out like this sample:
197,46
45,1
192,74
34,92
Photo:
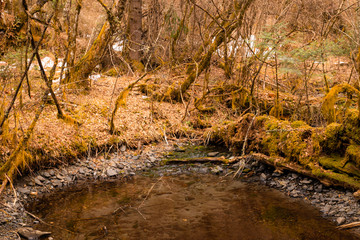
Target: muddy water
181,207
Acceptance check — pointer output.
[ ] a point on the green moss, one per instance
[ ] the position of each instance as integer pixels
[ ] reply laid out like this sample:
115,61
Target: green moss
353,154
352,125
332,138
340,178
328,107
298,124
339,164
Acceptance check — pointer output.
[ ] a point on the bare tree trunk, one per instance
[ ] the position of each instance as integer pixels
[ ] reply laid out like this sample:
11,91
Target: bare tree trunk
135,30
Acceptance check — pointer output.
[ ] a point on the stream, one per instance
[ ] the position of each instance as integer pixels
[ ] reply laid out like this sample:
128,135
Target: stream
168,203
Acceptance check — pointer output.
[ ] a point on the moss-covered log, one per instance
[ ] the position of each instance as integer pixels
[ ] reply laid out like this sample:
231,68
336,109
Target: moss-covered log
296,146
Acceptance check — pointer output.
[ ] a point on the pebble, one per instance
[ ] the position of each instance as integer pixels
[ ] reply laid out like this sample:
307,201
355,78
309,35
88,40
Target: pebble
23,190
340,220
212,154
123,148
30,233
263,177
111,172
217,169
38,182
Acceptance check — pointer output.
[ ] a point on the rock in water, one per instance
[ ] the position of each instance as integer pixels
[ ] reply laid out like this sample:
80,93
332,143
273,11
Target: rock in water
31,234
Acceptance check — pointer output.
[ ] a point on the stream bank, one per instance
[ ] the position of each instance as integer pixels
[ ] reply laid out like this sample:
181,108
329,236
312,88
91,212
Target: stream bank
338,205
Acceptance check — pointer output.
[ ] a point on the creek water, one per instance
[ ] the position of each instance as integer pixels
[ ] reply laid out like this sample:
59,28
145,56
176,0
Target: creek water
182,206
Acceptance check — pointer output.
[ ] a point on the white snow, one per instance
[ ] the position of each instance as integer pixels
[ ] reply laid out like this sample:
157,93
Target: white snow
95,77
118,46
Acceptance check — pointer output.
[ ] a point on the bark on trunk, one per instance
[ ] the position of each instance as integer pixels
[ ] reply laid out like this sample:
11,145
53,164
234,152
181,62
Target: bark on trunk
135,30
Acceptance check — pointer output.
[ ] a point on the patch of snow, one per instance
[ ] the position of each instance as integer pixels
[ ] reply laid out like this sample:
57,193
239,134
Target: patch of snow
118,46
95,77
47,62
247,46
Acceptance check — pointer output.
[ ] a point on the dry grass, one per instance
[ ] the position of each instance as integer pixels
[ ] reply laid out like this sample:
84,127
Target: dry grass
142,121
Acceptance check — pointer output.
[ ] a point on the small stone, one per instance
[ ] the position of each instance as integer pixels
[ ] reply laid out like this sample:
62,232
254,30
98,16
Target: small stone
23,190
123,148
212,154
46,174
276,174
51,172
319,188
306,181
29,233
340,220
217,169
132,173
203,170
294,175
38,182
291,187
152,159
357,194
111,172
263,177
56,183
326,209
58,176
112,164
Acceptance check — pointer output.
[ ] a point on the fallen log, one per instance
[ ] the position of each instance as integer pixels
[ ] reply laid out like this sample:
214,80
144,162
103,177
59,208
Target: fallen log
324,176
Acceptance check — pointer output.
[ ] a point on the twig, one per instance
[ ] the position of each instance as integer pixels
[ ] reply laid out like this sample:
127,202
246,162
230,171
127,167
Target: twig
139,213
349,225
247,134
167,143
118,210
148,193
12,186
